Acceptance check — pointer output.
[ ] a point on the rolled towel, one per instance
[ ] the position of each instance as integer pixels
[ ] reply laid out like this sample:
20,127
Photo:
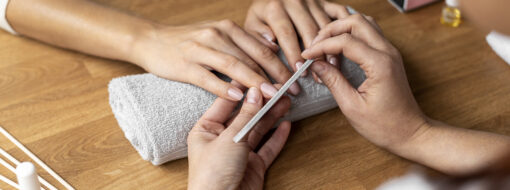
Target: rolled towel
156,114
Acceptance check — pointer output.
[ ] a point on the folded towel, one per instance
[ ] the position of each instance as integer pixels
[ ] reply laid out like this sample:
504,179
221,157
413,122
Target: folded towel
156,114
500,44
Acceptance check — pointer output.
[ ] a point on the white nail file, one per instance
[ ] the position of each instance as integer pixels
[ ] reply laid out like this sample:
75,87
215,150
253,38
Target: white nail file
247,128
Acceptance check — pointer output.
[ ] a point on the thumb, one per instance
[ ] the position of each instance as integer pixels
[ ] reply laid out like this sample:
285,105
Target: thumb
341,89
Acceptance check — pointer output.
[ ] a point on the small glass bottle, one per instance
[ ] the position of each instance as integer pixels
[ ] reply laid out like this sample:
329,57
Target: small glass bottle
451,14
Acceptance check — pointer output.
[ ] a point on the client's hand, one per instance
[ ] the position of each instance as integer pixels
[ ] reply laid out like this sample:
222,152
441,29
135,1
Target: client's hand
383,108
270,20
216,162
189,53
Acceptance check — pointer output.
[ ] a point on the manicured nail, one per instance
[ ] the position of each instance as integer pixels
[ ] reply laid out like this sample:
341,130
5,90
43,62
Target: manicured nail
268,89
299,64
319,80
333,61
294,89
253,95
235,93
268,37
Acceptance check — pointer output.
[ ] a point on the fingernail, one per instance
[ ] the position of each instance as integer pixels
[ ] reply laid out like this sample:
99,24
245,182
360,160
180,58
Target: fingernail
319,80
333,61
252,96
299,64
268,89
235,93
315,40
268,37
294,89
318,68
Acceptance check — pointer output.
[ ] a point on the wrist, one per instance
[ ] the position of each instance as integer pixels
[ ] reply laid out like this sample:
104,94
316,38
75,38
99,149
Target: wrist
144,34
415,139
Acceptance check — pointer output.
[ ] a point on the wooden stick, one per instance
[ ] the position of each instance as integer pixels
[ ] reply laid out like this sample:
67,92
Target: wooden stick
8,181
16,162
35,158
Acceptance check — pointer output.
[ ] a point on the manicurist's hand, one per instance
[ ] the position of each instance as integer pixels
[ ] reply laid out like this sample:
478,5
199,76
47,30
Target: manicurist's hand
189,53
216,162
278,20
383,108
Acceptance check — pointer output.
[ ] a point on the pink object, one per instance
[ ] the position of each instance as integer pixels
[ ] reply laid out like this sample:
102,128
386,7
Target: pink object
407,5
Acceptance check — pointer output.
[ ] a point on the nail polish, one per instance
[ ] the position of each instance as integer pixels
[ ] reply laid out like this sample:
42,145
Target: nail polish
299,64
268,37
268,89
252,96
333,61
294,89
235,94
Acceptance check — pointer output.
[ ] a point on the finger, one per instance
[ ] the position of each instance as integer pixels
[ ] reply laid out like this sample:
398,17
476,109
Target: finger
260,53
270,150
352,48
374,24
251,105
220,111
318,13
205,79
303,21
341,89
334,10
267,122
261,31
221,42
356,25
234,68
283,28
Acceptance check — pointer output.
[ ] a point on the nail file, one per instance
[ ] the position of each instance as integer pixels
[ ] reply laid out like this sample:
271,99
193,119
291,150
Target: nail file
247,128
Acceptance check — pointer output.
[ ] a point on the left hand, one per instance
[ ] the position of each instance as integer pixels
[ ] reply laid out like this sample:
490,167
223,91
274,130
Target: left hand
270,20
216,162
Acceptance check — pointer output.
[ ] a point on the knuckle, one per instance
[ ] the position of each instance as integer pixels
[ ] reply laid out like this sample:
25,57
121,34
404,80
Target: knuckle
228,24
266,53
273,6
210,32
357,17
230,63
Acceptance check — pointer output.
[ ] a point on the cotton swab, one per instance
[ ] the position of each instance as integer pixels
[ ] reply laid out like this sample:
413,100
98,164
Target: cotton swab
8,181
35,159
16,162
246,129
27,177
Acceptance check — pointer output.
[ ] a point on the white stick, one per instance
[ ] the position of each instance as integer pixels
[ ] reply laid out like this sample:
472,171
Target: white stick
8,181
35,159
246,129
8,166
16,162
27,176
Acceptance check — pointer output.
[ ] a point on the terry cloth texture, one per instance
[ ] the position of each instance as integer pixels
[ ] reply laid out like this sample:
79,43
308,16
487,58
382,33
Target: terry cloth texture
4,24
500,44
156,114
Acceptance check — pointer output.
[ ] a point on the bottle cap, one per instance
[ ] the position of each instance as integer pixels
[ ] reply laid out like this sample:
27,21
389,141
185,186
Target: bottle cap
452,3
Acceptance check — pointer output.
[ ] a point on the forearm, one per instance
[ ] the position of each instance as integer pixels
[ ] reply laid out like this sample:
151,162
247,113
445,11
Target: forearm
454,150
79,25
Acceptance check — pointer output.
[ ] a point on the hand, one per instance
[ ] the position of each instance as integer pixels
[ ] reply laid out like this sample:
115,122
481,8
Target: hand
216,162
189,53
270,20
383,108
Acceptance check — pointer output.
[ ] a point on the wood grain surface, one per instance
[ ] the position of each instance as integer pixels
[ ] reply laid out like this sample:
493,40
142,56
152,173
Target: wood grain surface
55,101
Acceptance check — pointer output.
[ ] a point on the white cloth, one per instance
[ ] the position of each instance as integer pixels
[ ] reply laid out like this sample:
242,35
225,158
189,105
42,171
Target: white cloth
156,114
4,24
500,44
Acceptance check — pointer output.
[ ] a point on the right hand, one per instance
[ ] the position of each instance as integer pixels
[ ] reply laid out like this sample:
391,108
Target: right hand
383,108
189,53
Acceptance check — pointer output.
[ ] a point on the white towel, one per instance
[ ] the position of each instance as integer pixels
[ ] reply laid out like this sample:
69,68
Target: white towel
500,44
156,114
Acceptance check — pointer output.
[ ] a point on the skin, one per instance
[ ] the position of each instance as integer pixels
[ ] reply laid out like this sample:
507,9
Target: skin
383,108
216,162
285,21
102,31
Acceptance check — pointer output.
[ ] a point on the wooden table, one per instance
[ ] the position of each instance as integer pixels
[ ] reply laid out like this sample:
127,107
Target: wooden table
55,101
